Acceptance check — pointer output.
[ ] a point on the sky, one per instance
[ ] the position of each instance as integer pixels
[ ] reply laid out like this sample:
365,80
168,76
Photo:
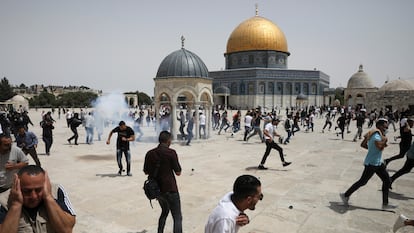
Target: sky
118,45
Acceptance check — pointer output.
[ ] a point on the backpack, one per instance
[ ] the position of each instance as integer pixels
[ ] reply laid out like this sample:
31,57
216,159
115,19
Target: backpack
151,188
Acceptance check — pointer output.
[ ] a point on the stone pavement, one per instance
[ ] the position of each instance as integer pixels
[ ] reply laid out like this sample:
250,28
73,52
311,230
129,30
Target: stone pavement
303,197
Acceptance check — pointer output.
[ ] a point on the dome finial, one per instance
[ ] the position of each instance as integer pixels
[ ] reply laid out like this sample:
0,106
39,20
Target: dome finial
182,41
361,68
257,9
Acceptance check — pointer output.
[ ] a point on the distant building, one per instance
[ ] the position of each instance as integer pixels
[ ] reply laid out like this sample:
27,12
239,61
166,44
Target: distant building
182,84
358,86
256,71
34,90
393,95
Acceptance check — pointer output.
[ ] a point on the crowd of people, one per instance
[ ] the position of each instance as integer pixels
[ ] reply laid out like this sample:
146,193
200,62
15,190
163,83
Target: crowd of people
17,175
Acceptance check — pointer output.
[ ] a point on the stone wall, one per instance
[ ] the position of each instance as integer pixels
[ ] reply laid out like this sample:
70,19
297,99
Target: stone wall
397,99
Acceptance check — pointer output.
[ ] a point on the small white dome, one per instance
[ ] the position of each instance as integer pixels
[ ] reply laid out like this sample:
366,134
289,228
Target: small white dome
360,80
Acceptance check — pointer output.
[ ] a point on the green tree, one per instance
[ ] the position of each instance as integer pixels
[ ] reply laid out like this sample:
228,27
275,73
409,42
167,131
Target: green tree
143,98
339,94
76,99
43,100
6,90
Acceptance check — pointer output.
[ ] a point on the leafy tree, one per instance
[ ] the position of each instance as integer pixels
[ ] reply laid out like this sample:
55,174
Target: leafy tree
143,98
6,90
44,99
76,99
339,94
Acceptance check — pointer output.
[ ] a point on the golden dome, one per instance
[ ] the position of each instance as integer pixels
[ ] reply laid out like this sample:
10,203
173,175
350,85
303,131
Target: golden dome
257,33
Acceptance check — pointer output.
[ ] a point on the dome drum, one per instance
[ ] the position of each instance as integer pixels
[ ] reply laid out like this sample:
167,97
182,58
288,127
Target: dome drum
250,59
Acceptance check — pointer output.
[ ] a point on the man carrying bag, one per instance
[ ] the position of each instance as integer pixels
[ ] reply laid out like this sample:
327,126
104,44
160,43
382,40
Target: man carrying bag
163,163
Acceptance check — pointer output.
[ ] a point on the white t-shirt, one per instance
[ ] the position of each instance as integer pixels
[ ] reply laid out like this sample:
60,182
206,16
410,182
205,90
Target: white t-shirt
248,121
403,122
89,121
223,217
202,119
270,129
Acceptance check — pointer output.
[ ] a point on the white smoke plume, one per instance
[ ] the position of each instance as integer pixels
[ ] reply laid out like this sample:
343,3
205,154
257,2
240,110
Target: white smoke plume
112,108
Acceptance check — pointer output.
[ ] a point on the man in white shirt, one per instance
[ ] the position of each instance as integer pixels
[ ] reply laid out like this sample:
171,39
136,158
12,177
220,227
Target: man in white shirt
247,124
269,132
202,125
228,216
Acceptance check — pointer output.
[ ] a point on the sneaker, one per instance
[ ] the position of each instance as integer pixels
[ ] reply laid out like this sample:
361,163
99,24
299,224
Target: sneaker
344,198
286,164
389,206
119,172
69,141
261,167
129,174
399,222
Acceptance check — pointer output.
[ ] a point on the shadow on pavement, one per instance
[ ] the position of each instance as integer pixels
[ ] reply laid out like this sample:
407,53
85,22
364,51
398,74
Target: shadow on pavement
340,208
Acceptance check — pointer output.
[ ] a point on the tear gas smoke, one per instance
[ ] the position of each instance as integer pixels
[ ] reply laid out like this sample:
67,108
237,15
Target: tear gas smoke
113,109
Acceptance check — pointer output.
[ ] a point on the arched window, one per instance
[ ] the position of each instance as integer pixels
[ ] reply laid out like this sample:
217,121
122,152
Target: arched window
233,88
280,88
261,88
314,88
251,59
288,88
306,89
251,88
242,88
270,88
297,88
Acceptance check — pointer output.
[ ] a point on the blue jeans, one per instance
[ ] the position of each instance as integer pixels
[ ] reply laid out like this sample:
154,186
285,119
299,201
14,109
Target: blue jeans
289,133
127,158
89,135
170,202
189,136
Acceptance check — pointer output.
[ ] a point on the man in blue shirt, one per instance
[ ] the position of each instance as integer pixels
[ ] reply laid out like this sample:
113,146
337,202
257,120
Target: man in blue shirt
373,164
27,141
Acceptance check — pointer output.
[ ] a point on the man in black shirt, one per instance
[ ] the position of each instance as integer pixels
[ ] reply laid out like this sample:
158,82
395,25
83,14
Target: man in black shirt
406,139
125,135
